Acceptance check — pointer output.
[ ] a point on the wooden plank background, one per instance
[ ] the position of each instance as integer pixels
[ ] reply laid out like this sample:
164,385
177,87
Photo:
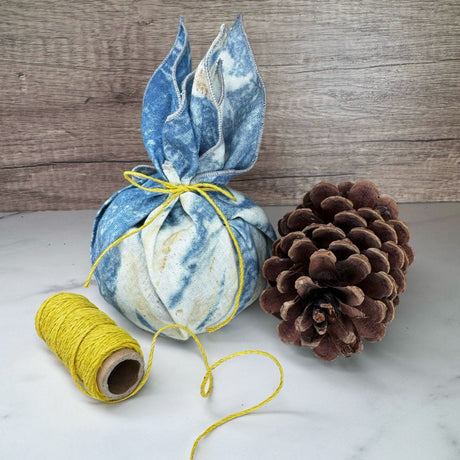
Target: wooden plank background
356,90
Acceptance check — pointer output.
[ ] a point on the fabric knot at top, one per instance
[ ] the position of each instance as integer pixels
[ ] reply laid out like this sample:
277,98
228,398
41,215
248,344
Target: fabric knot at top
207,123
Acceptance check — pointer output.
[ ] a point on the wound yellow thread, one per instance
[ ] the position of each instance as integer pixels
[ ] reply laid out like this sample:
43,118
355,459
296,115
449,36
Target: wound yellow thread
83,337
175,190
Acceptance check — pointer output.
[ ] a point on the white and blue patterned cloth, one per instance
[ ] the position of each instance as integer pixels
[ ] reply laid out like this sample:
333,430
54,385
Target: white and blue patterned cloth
202,126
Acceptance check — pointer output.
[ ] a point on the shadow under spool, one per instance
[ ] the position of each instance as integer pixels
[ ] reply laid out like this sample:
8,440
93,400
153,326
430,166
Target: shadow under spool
120,374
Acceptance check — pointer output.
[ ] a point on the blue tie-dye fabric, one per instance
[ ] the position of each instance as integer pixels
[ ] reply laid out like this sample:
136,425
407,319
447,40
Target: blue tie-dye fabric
202,126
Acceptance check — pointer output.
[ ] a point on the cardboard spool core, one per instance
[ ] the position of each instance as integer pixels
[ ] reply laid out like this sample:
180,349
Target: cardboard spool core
120,373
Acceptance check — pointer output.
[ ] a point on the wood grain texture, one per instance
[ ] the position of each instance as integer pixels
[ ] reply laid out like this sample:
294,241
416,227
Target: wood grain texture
356,90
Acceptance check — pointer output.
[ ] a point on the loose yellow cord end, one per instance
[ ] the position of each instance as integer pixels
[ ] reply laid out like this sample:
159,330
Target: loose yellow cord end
208,376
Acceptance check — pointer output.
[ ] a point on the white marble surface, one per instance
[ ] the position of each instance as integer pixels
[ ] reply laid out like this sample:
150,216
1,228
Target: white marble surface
399,399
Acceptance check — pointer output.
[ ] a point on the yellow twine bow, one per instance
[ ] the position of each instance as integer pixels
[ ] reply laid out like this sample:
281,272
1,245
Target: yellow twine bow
175,190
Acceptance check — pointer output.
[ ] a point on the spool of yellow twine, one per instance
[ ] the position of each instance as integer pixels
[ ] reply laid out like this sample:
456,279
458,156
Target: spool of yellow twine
85,339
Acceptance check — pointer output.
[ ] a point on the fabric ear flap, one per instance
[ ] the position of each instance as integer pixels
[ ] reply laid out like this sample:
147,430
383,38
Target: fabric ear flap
205,102
242,109
244,103
162,96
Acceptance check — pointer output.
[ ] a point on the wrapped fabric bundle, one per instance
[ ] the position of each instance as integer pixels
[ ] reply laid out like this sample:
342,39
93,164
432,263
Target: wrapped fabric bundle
199,128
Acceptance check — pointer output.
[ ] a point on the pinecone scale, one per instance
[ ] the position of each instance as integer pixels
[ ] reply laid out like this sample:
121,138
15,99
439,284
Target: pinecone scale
338,268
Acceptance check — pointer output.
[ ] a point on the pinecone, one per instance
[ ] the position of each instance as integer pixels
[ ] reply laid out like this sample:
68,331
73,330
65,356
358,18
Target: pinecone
338,269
